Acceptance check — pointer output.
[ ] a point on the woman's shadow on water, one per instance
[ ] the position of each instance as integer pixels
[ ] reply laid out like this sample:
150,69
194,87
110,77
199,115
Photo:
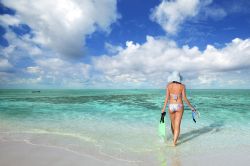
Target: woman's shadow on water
213,128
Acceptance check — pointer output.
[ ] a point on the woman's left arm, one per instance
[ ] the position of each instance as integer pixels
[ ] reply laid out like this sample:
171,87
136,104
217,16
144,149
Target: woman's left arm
166,99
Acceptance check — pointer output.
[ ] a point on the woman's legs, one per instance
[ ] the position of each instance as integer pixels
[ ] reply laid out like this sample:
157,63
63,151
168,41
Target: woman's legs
177,124
172,118
172,129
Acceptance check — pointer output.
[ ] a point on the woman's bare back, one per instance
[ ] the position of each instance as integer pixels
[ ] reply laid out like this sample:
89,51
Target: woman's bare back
175,92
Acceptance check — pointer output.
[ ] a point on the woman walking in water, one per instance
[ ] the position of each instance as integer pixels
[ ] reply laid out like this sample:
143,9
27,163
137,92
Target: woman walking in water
175,93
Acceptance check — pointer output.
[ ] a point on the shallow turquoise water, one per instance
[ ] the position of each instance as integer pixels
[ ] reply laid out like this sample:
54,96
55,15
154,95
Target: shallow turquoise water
125,120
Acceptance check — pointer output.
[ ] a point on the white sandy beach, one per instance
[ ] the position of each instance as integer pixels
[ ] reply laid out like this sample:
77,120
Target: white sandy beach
25,154
21,153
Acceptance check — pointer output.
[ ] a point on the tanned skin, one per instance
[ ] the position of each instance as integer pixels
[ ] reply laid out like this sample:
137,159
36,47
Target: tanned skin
176,116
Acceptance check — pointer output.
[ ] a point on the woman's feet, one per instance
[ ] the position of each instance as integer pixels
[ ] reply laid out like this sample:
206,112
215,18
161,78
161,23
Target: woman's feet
174,143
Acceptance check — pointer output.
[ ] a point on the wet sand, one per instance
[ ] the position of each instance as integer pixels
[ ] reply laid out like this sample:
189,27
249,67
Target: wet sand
25,154
21,153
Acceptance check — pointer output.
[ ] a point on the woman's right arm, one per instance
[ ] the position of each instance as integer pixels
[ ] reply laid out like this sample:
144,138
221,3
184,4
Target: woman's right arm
185,98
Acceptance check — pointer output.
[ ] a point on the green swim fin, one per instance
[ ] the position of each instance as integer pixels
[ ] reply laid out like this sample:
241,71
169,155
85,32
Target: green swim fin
162,130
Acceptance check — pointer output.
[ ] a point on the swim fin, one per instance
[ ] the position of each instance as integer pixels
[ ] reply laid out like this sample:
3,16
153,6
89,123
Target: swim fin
193,116
162,117
162,130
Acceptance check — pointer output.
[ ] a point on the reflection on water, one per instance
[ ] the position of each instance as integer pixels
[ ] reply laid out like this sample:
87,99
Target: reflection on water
168,155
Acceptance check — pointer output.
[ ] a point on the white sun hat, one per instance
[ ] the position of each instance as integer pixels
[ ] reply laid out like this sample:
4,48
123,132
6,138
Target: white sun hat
175,76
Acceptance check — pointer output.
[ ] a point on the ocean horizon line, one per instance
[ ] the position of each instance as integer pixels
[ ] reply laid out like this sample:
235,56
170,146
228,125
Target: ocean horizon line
34,89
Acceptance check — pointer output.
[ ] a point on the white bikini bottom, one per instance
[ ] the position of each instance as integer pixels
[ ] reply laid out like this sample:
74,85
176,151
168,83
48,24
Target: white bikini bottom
174,107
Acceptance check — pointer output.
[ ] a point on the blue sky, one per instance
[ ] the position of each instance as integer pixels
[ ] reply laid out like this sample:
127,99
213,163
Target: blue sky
124,43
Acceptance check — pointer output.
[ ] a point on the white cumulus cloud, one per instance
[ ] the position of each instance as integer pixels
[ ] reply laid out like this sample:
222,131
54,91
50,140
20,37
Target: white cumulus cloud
170,14
56,71
62,25
6,20
157,57
4,64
